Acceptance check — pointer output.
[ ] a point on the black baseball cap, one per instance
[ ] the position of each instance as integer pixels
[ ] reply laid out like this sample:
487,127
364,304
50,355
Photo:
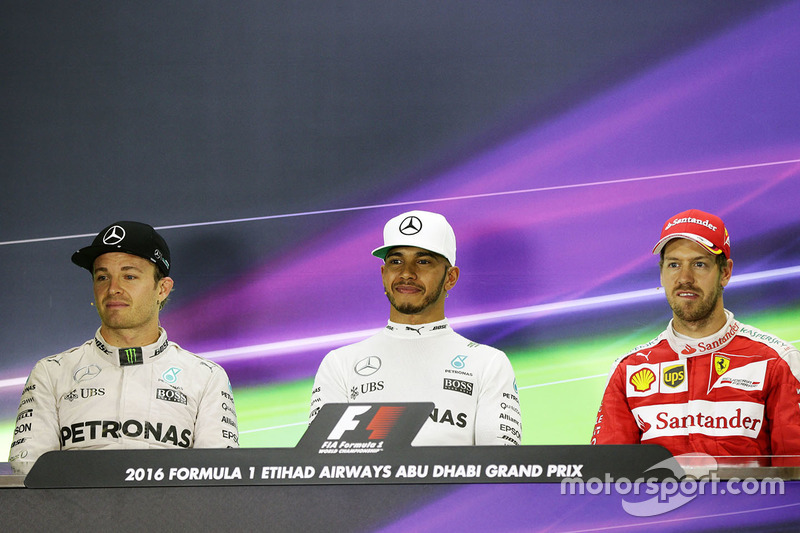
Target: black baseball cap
133,238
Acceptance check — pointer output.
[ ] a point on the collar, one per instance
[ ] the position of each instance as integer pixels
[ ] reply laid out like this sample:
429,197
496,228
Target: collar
416,331
131,356
689,347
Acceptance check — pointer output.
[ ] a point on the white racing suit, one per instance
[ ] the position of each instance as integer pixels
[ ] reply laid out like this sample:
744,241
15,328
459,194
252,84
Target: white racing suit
472,385
97,396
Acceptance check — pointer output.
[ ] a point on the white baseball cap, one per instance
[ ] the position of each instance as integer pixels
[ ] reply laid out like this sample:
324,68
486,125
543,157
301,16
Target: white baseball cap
421,229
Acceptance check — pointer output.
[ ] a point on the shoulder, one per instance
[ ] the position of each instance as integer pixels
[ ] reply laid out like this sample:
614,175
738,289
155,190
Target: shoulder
478,350
483,349
653,351
769,340
66,356
361,347
192,359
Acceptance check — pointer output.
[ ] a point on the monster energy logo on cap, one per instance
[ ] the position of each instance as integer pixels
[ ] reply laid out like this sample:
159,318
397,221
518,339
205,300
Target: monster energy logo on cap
130,356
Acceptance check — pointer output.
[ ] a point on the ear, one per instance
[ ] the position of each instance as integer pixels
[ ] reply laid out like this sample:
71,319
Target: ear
725,277
451,277
164,288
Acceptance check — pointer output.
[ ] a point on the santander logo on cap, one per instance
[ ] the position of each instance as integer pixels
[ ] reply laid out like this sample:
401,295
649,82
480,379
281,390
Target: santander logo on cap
703,228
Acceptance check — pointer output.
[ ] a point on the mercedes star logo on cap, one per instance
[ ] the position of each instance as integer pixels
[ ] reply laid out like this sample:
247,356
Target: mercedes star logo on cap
410,225
114,235
368,366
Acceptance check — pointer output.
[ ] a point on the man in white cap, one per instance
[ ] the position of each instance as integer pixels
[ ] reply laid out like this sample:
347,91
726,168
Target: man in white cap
708,383
418,357
129,386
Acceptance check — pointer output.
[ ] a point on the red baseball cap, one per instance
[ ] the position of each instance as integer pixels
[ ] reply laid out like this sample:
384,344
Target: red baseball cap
705,229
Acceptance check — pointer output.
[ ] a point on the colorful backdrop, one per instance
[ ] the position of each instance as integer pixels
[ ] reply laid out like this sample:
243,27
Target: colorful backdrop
269,143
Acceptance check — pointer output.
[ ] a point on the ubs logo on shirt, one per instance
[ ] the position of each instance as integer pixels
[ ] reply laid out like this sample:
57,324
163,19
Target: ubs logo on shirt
76,394
366,388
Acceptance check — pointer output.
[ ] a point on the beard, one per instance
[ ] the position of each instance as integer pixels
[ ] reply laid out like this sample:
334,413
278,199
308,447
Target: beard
427,301
697,311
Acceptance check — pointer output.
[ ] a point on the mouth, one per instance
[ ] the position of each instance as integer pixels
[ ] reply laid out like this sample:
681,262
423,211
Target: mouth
406,289
114,304
687,294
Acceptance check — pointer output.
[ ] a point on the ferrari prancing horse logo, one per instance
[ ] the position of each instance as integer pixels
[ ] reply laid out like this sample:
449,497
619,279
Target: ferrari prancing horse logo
721,364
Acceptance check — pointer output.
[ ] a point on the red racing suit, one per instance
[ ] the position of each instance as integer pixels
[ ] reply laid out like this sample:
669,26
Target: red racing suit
97,396
733,393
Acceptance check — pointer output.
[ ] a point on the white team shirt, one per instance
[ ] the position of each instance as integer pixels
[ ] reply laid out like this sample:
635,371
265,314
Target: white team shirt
93,397
472,386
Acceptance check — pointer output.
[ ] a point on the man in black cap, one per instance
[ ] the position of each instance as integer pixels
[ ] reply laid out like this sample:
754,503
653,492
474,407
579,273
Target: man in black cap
129,387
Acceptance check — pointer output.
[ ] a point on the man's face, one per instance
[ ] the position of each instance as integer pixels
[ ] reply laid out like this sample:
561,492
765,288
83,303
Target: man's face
126,293
692,281
416,281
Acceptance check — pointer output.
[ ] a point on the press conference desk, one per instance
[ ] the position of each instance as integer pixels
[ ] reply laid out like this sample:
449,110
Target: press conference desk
367,505
350,482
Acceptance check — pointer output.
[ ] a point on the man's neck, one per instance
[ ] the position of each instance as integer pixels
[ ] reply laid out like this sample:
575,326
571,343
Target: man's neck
414,320
129,338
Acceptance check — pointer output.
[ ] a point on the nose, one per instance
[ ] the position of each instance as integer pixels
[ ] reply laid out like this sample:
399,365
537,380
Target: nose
685,275
409,270
113,286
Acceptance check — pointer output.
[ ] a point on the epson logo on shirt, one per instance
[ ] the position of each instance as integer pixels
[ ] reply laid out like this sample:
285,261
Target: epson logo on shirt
170,395
464,387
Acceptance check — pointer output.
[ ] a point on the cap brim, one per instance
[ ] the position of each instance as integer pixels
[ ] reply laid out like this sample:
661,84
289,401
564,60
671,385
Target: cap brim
381,252
85,257
692,237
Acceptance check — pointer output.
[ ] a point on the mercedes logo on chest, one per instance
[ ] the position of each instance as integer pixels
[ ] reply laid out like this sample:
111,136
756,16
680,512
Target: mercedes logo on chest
410,225
368,366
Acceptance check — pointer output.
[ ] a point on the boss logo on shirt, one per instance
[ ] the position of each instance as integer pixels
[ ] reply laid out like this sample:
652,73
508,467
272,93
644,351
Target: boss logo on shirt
170,395
464,387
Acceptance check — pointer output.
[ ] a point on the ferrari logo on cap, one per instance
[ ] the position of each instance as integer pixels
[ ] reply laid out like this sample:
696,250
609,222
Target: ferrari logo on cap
410,225
114,235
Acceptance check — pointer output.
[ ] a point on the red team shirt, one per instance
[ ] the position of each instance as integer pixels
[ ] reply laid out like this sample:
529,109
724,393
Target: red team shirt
730,394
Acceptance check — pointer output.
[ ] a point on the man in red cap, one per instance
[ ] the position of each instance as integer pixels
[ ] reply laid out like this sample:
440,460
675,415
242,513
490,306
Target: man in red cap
708,383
